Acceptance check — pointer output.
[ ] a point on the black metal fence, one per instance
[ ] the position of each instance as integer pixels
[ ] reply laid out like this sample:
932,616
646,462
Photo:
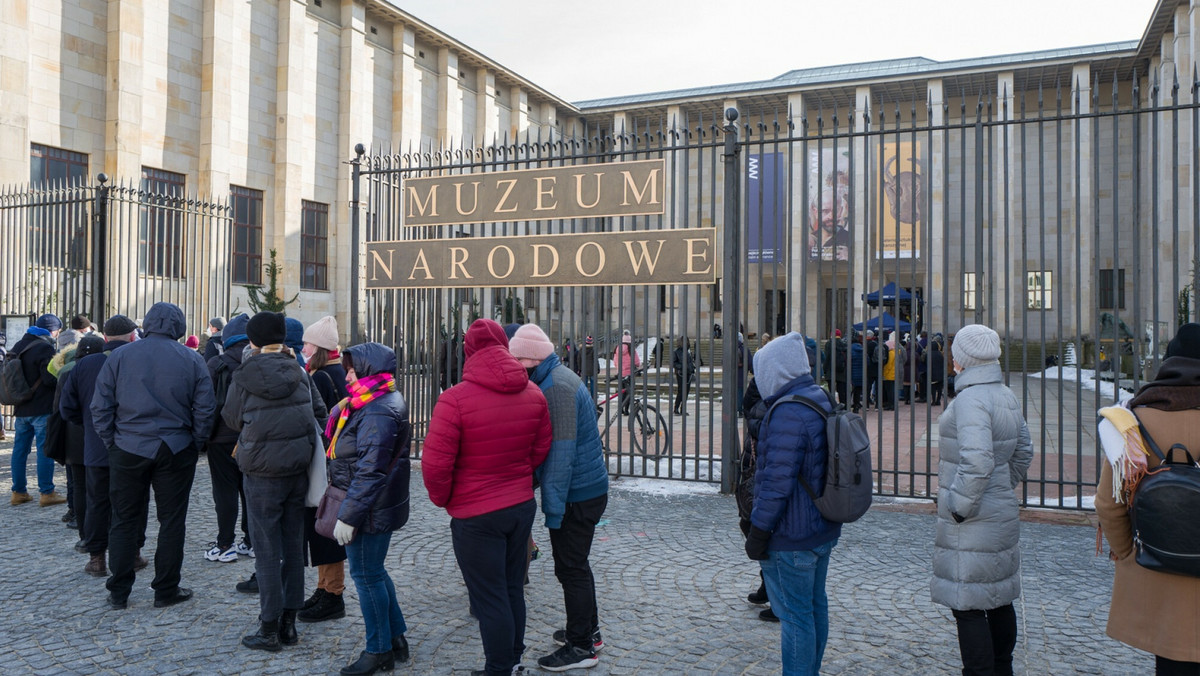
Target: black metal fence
1065,218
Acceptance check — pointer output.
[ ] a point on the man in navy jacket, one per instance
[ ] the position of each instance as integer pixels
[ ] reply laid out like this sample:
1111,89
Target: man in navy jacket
788,536
152,409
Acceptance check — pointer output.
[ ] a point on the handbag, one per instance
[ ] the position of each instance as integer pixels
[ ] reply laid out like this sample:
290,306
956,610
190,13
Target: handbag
327,510
318,477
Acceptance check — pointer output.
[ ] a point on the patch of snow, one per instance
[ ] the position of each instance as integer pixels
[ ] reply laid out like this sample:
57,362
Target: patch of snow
663,487
1087,380
667,468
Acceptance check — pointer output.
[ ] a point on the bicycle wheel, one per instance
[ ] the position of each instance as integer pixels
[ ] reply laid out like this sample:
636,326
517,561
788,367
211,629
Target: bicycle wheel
650,433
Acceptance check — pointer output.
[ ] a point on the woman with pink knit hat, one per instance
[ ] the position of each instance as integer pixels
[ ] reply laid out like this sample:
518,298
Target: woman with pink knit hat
627,362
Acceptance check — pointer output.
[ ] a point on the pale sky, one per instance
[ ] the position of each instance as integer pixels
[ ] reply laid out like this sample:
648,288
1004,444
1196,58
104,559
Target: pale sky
587,50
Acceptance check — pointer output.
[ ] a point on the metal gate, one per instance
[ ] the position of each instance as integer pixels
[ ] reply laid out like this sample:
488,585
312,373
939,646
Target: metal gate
1066,219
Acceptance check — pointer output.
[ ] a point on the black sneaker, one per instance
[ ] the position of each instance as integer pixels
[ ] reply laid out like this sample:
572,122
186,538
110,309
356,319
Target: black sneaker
69,516
329,607
768,616
249,586
569,657
560,637
312,600
757,597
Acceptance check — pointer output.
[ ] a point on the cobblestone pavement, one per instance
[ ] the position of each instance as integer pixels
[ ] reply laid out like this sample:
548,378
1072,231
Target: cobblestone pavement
672,581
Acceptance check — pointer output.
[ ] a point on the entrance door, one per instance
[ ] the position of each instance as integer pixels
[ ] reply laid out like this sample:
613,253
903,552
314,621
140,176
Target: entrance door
774,314
837,314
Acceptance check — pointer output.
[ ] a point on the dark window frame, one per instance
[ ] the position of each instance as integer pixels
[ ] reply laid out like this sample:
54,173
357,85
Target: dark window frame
1105,289
314,246
58,228
246,246
161,226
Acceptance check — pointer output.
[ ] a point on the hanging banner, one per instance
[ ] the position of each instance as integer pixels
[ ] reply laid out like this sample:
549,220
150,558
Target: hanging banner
685,256
581,191
902,198
765,196
829,233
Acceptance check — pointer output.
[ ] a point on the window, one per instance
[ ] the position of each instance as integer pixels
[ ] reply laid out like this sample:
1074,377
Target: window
556,299
714,296
314,246
160,224
970,285
1112,298
247,235
58,226
1038,290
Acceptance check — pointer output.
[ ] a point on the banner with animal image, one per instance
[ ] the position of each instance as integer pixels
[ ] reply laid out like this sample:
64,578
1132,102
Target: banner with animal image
829,233
901,200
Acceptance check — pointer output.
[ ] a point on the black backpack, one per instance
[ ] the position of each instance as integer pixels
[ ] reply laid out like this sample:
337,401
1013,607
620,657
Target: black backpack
846,494
222,377
14,388
1163,509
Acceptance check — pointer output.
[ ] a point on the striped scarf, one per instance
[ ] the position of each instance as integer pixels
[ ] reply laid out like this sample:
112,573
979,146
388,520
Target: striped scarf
362,392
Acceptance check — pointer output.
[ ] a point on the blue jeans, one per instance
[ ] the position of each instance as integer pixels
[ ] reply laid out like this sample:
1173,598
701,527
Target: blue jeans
376,593
796,587
29,427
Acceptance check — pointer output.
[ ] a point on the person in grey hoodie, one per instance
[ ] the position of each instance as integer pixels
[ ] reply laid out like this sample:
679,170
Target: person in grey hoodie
153,408
985,452
276,409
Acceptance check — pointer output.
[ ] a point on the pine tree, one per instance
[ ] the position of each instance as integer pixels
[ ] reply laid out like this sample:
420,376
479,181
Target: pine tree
269,301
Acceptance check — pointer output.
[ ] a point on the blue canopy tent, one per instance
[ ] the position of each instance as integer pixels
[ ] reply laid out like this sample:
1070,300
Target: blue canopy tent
889,295
887,321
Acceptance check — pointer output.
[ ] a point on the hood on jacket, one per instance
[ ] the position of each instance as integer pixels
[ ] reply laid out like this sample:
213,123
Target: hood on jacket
483,333
235,331
779,362
165,319
295,334
270,376
368,359
488,361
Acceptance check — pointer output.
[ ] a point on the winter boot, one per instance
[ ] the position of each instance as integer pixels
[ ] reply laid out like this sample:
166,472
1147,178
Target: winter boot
95,567
328,607
266,638
287,628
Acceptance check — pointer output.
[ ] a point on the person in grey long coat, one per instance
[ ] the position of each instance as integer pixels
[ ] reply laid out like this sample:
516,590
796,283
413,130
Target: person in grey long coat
985,452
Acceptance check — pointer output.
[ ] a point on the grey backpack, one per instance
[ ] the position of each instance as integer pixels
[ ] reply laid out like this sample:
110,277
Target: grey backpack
846,494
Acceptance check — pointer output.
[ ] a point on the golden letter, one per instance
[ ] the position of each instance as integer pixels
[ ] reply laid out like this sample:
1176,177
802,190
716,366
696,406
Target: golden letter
512,261
651,184
415,200
691,254
456,262
579,259
636,260
536,260
422,264
541,192
458,198
511,182
579,190
387,267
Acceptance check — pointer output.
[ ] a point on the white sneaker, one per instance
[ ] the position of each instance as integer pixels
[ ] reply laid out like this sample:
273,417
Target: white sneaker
215,553
244,549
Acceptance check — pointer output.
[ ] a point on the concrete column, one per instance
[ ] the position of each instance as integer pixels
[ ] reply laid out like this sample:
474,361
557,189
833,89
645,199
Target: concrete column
802,311
1003,294
291,95
519,102
1142,287
1084,221
354,127
945,283
215,99
14,82
549,122
123,98
406,90
449,101
487,115
861,150
1184,62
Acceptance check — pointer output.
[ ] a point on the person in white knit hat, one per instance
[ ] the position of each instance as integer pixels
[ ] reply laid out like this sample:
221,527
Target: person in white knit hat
985,450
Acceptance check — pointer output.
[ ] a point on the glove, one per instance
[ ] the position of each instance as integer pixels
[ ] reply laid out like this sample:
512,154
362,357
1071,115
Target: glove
756,544
343,533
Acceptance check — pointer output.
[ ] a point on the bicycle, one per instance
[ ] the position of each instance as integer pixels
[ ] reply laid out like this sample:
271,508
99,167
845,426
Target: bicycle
649,432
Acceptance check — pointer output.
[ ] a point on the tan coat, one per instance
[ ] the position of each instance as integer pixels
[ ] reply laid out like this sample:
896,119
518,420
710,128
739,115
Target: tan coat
1155,612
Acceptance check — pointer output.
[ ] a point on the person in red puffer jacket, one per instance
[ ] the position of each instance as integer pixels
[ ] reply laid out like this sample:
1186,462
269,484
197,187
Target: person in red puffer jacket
486,437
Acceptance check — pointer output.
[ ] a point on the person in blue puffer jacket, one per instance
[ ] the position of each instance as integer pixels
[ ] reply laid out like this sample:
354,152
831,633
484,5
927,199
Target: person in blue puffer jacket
788,536
574,484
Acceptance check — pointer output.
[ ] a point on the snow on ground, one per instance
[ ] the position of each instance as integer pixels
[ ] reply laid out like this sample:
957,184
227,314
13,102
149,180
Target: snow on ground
1086,379
667,468
664,487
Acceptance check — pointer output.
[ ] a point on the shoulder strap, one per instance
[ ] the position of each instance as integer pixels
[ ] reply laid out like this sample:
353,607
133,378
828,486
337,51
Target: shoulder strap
798,399
1149,439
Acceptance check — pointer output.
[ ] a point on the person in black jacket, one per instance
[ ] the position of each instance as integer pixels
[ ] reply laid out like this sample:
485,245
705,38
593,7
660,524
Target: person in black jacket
35,350
78,387
215,344
72,436
936,363
369,460
276,408
226,477
325,366
683,363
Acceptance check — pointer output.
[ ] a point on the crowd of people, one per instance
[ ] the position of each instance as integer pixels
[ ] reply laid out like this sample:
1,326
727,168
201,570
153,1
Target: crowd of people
881,370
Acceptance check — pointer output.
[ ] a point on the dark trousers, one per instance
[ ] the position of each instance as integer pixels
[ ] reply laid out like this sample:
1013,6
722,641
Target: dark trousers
572,543
99,511
872,389
888,399
682,387
227,490
492,550
130,479
626,394
986,639
70,488
77,484
935,390
1166,667
276,512
856,397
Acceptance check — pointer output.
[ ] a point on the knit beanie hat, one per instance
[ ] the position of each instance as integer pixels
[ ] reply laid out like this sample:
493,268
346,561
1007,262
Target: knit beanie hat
89,345
589,341
119,325
1186,343
192,341
323,333
266,328
217,323
235,331
530,342
510,330
49,322
976,344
